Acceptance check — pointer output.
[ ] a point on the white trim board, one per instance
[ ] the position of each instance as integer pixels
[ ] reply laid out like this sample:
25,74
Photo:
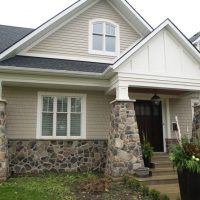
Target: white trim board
39,116
117,38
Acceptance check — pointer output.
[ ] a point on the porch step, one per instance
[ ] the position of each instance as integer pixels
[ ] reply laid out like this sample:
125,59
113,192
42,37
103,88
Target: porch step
171,190
164,176
157,180
163,171
163,164
160,157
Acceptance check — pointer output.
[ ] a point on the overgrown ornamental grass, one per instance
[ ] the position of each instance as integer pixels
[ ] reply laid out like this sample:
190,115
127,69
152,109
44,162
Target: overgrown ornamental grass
66,186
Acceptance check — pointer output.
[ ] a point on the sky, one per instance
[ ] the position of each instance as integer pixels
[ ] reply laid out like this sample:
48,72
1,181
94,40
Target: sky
32,13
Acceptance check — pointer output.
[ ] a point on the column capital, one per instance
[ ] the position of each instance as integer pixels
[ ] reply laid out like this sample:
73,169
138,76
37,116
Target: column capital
3,101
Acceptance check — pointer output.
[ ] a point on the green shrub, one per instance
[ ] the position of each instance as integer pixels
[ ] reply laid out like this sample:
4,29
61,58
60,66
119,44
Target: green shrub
154,194
143,190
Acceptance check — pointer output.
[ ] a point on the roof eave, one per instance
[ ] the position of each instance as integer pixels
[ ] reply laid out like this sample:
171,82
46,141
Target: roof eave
52,72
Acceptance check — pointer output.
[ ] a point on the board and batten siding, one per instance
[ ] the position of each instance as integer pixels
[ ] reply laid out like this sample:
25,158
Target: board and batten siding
22,112
72,38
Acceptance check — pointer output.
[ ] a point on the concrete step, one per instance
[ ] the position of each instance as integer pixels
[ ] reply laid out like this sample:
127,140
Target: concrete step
171,190
163,171
160,158
157,180
163,164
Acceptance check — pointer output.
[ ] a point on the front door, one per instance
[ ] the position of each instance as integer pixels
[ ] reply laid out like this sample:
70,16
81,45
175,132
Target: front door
149,119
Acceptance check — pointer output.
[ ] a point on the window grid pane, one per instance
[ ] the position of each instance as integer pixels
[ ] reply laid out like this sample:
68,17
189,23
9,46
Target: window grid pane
110,43
98,28
75,124
61,116
97,42
110,30
75,104
47,116
61,124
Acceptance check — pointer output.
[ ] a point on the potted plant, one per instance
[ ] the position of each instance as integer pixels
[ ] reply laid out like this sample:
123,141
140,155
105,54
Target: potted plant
185,156
147,152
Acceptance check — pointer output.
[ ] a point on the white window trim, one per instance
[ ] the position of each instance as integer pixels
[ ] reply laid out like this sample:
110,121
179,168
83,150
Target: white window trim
39,116
193,101
90,39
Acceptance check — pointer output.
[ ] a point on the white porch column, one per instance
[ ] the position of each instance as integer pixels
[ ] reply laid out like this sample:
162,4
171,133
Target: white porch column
122,91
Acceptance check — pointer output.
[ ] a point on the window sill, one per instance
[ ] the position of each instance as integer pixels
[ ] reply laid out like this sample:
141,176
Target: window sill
61,138
104,53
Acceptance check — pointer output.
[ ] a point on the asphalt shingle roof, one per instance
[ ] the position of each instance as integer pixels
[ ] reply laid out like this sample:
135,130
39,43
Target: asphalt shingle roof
195,37
55,64
9,35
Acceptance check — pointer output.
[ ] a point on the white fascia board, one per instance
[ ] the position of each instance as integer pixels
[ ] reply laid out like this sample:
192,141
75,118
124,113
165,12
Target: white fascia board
50,72
155,81
41,28
166,23
9,77
137,15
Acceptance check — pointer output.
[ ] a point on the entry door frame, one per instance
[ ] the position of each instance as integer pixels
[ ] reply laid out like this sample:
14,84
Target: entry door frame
165,114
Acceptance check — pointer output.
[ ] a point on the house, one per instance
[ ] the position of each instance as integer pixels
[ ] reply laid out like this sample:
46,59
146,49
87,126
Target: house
78,92
195,39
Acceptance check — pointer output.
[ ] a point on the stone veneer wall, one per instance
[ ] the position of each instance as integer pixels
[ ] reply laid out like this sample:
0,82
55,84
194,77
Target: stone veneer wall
124,149
3,157
36,156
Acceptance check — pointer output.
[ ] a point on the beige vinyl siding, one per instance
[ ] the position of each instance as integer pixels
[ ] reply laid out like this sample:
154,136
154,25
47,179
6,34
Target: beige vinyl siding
22,112
72,38
181,108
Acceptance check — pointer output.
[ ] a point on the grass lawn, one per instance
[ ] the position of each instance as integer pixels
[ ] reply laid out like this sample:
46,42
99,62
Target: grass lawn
66,186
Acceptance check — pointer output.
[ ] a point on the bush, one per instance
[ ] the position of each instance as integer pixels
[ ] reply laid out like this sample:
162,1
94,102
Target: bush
143,190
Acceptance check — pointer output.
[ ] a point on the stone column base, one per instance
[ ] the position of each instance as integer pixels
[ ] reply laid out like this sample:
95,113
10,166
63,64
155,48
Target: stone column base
3,143
124,149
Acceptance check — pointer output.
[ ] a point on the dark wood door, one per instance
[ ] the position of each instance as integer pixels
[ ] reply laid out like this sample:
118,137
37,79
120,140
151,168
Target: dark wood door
149,119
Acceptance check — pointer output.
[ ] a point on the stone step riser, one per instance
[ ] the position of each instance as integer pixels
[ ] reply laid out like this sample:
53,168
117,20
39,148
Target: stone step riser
158,182
164,173
160,159
163,165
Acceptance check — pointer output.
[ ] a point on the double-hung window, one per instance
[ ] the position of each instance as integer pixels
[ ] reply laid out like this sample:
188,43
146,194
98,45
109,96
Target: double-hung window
61,116
104,37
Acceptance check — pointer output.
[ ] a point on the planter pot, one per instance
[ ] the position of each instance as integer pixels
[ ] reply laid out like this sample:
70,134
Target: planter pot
147,163
189,184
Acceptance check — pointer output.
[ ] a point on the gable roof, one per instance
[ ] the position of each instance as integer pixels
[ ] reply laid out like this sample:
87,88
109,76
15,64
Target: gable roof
66,15
27,62
195,37
9,35
173,29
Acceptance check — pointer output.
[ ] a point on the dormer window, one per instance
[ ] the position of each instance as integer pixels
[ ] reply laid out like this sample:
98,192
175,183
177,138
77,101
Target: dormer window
104,38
